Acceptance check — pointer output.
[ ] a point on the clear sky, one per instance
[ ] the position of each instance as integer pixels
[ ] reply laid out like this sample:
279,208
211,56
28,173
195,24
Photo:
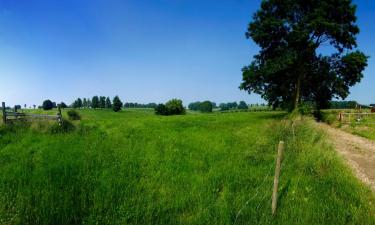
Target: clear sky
142,50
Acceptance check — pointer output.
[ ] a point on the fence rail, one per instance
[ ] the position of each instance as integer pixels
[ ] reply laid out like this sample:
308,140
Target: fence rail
356,117
14,115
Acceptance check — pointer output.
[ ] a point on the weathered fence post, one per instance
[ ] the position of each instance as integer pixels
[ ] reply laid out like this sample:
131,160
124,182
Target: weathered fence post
4,113
277,175
59,118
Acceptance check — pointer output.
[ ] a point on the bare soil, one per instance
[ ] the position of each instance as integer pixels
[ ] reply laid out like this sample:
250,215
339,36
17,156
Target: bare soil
359,152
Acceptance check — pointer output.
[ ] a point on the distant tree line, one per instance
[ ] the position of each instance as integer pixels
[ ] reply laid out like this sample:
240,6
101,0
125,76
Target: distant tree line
233,106
348,105
98,102
139,105
48,105
206,106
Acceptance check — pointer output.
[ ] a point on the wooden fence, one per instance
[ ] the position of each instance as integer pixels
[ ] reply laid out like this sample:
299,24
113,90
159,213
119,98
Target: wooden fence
9,116
357,117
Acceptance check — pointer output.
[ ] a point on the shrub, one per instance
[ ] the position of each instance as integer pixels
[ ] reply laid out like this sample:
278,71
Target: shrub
172,107
47,105
175,107
161,110
73,115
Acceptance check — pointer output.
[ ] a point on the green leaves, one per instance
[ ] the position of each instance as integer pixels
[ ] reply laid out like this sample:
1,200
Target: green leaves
290,34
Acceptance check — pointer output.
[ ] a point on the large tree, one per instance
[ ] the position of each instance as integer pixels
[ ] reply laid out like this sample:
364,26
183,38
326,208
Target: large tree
290,67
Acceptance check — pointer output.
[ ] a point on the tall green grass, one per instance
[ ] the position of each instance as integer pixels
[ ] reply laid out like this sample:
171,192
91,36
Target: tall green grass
134,167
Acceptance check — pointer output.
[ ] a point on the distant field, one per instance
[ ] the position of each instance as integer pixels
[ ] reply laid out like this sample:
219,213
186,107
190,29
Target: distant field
133,167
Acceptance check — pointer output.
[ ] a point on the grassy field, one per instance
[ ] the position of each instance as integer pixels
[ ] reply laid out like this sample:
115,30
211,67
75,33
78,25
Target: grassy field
364,128
133,167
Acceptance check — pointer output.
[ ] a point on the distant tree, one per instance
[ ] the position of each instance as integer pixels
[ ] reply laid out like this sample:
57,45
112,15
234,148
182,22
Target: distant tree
79,103
205,106
25,106
161,109
54,105
102,102
175,107
223,107
108,103
290,67
47,105
194,106
88,103
232,105
95,102
117,104
242,105
34,106
17,107
84,103
63,105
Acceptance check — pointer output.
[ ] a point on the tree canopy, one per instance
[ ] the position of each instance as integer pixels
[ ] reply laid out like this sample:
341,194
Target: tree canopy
290,67
117,104
47,105
172,107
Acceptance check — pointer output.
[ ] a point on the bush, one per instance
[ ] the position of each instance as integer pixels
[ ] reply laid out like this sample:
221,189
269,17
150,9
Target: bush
161,110
73,115
172,107
47,105
175,107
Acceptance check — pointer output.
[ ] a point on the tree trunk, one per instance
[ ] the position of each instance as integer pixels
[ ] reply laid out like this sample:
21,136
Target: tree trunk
298,93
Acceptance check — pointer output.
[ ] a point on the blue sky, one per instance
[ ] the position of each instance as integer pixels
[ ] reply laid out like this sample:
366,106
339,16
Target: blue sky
144,51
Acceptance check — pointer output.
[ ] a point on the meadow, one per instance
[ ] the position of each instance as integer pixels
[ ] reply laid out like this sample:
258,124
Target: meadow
133,167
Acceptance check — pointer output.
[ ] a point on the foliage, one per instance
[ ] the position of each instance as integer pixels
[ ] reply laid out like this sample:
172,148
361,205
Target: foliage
17,107
73,115
102,102
172,107
161,109
139,105
117,104
288,69
228,106
343,104
205,106
108,103
62,105
242,105
47,105
95,102
77,103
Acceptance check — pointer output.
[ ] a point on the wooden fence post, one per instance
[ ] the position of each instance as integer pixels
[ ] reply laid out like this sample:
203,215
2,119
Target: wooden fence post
59,118
277,175
4,113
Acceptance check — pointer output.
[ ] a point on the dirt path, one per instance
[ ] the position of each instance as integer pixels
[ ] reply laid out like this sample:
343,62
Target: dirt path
359,153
